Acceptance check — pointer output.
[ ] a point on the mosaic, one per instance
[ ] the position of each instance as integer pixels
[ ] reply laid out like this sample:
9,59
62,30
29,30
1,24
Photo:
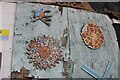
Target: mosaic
92,36
43,15
44,51
47,42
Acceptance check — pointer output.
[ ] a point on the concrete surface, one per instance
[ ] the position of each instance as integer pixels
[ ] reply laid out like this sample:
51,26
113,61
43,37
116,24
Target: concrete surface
76,49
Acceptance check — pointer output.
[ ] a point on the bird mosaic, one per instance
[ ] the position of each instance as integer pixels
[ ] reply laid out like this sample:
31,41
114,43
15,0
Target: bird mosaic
43,15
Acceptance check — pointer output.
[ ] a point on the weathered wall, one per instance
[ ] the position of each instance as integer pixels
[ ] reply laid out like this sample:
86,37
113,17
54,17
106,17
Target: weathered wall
79,54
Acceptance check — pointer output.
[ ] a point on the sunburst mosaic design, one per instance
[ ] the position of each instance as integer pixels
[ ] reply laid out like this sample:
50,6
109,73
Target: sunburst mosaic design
44,52
92,36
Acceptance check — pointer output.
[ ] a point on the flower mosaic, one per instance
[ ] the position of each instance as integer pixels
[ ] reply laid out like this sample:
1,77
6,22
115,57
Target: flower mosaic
44,52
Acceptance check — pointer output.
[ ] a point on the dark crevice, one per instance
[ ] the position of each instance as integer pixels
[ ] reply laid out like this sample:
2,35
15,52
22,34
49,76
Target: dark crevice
117,29
68,34
109,8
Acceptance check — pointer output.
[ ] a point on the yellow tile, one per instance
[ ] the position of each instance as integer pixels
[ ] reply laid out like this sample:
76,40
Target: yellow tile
5,32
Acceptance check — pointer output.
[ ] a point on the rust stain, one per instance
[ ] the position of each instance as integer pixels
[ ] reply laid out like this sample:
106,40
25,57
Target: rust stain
23,74
68,68
61,9
65,66
64,37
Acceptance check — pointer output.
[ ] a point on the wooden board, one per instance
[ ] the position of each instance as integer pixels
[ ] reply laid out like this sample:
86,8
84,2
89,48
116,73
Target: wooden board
76,52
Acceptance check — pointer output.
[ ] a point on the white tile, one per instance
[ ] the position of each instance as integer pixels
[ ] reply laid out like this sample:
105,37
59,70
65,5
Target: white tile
0,14
9,7
8,23
11,18
6,46
6,59
8,18
7,14
0,46
5,17
8,26
6,71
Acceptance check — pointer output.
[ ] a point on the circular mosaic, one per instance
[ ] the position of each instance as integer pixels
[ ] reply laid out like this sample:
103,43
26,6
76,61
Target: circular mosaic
92,36
44,51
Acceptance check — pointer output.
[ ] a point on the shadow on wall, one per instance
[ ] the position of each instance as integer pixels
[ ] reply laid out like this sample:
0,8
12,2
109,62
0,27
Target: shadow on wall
110,8
117,29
